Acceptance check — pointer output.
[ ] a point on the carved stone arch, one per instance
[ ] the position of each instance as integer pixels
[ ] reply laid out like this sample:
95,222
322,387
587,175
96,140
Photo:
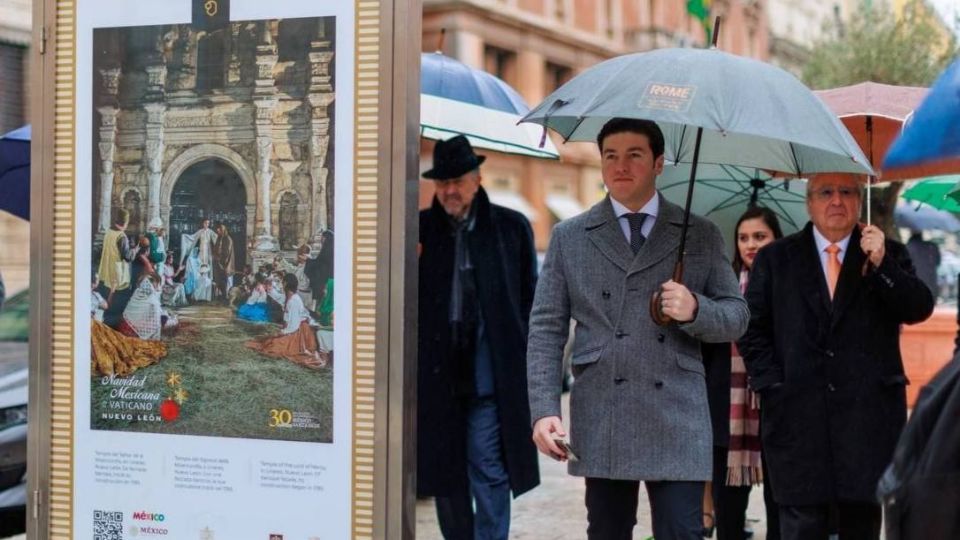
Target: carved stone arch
203,152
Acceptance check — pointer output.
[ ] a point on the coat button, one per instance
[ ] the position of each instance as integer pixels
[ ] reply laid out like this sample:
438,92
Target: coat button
618,380
436,370
658,384
661,337
605,294
830,354
831,387
619,334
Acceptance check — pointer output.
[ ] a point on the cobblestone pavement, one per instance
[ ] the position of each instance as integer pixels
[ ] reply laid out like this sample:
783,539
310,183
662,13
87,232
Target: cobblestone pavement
555,511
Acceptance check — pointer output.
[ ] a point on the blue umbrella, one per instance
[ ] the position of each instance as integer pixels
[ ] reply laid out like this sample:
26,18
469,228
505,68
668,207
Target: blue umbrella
15,172
457,99
925,218
930,142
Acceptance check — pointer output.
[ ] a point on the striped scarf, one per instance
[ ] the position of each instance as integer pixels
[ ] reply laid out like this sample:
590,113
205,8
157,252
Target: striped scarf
743,455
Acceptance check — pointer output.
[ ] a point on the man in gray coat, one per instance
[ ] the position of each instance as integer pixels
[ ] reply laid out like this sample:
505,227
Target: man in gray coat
638,406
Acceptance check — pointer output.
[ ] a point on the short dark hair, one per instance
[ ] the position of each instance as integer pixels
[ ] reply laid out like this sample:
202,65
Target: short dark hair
290,283
769,218
634,125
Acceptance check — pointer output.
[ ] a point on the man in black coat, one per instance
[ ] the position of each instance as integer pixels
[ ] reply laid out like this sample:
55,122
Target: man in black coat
477,278
823,350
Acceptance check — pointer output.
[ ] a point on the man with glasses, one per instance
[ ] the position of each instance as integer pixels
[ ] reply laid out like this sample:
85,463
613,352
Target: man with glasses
823,351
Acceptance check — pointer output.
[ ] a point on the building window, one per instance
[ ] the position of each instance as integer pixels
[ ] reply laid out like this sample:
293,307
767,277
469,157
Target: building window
289,221
210,61
500,62
557,75
294,37
560,10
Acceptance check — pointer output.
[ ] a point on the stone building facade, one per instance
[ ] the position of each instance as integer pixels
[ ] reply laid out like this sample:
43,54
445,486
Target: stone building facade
233,125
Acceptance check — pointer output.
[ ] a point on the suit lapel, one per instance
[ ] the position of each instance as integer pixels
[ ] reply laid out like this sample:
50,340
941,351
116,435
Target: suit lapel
664,238
850,280
813,282
604,231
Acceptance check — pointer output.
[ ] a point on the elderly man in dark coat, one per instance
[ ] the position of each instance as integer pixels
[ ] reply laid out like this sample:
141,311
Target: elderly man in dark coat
477,277
823,351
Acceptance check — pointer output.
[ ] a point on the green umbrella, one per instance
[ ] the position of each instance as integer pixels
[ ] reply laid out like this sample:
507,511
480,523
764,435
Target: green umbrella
939,192
724,192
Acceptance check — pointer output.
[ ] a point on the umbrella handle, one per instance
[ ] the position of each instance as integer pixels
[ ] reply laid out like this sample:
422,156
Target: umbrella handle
656,301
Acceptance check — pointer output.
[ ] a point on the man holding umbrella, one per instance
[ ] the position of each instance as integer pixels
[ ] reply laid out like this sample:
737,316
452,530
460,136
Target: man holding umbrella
478,271
638,404
823,351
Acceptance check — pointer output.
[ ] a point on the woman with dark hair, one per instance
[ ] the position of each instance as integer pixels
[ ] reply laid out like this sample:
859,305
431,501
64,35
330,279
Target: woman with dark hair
297,341
734,409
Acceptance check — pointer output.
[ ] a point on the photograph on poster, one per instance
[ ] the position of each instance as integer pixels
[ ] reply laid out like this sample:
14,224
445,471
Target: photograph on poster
211,302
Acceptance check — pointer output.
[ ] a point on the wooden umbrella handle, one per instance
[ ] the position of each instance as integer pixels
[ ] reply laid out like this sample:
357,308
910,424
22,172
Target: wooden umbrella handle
656,301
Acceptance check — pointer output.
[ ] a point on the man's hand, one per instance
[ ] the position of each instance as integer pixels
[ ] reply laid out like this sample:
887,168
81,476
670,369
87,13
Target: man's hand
678,302
872,243
543,433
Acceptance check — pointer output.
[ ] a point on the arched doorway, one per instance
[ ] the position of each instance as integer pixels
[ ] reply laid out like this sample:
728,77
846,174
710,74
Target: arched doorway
212,190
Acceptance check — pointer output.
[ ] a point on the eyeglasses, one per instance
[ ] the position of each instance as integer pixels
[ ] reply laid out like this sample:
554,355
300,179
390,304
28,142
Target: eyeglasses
826,193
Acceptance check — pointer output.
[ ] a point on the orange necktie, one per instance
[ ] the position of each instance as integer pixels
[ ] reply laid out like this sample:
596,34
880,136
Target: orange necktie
833,267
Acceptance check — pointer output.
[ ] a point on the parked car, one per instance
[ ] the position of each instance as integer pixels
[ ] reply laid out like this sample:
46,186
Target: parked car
14,337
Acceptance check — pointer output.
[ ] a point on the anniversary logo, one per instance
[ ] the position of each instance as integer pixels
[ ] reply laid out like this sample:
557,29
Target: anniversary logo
213,189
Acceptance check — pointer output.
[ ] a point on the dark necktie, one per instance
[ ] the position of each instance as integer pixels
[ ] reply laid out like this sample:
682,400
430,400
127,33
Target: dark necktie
636,224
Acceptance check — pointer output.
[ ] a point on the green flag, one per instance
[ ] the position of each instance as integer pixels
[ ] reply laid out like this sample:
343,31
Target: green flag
700,9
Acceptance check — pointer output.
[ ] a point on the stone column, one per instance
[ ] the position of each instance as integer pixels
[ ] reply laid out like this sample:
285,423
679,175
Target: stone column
153,159
319,97
265,100
107,145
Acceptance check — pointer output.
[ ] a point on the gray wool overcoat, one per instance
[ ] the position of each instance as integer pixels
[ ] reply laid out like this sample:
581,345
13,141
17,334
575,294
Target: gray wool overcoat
638,405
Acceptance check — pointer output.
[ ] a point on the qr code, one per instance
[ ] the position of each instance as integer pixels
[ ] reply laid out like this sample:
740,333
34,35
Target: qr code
107,525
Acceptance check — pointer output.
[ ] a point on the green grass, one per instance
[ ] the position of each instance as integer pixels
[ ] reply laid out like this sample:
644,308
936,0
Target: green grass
231,388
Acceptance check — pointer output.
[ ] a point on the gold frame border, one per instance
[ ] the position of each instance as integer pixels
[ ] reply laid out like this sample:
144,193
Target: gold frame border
62,373
366,213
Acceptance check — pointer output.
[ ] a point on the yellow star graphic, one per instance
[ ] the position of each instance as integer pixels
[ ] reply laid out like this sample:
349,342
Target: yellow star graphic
174,378
180,395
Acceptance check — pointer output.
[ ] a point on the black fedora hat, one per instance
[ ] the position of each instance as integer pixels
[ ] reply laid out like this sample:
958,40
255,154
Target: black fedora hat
453,158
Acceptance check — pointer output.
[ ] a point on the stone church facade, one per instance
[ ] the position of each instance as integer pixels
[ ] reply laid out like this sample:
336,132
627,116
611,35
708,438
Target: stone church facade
235,126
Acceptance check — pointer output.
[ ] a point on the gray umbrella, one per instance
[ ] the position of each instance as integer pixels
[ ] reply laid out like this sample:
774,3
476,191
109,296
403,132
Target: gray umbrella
753,114
713,107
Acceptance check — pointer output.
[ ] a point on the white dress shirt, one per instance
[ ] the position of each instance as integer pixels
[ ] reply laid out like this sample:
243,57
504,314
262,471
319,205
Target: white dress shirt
823,243
651,209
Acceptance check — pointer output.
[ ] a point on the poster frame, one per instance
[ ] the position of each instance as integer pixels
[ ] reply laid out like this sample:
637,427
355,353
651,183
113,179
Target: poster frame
385,292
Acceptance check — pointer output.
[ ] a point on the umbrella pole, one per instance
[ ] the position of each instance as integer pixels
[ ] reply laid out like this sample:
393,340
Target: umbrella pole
656,302
869,178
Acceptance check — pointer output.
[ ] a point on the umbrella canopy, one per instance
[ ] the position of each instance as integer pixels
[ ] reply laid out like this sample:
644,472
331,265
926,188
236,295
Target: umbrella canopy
924,218
874,114
15,172
457,99
935,192
724,193
753,114
930,142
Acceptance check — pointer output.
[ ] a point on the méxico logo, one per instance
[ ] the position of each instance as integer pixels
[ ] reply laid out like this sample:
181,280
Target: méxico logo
148,516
